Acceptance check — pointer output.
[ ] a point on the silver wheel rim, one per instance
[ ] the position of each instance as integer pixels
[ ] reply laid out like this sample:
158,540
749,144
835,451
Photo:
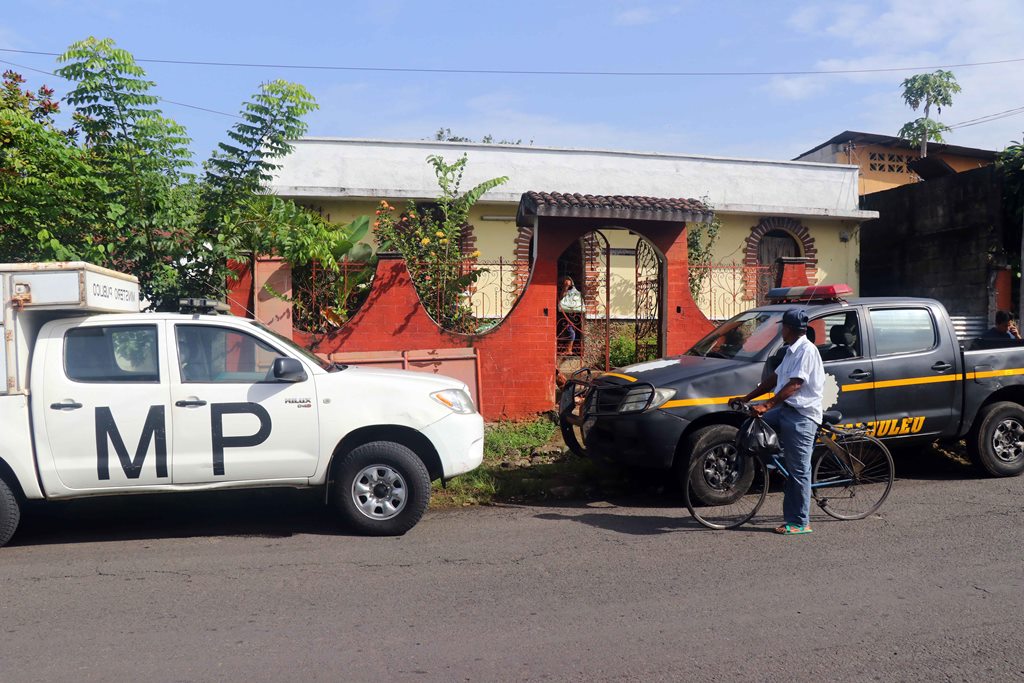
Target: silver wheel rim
1008,440
379,492
720,471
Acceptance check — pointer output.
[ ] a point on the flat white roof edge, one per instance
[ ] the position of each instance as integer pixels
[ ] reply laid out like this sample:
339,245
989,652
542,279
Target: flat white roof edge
567,150
306,191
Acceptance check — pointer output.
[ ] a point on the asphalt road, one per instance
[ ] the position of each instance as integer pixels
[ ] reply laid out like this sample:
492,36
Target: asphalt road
260,586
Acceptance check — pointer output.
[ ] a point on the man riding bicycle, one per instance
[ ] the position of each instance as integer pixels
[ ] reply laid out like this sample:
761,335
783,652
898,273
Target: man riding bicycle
794,411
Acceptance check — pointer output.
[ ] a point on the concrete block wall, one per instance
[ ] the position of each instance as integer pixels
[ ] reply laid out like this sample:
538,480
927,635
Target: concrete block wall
941,239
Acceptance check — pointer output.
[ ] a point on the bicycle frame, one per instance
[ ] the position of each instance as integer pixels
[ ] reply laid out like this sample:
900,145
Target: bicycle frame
834,450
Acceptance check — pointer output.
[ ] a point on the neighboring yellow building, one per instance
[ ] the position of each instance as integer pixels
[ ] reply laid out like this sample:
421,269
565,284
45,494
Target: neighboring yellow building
884,159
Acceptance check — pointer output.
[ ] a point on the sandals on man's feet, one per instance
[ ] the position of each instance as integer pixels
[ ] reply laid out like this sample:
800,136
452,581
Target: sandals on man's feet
793,530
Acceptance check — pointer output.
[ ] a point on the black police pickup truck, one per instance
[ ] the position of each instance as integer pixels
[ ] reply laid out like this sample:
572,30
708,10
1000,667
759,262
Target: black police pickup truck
893,364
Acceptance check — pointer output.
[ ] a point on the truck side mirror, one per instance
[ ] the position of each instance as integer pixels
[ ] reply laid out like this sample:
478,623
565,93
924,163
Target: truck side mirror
288,370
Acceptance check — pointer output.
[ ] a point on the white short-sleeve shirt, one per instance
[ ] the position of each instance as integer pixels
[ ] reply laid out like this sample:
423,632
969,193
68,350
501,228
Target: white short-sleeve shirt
802,361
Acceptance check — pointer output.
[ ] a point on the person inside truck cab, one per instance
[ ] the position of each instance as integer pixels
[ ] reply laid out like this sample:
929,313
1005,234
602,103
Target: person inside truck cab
1003,329
794,411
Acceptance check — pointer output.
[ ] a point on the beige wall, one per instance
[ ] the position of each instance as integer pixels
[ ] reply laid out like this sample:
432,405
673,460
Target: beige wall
723,295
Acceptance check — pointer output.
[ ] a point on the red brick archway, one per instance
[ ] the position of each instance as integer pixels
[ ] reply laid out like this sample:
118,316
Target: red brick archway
791,226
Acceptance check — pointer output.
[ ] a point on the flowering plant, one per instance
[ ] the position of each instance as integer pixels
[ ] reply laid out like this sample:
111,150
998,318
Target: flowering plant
429,238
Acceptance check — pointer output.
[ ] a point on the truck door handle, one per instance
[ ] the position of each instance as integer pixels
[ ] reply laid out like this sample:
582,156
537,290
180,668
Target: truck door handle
66,405
942,366
190,404
859,374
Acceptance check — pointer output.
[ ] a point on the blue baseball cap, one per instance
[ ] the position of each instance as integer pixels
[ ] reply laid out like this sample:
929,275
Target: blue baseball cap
795,318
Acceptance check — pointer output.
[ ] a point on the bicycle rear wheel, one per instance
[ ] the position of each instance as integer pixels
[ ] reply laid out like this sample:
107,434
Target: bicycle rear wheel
738,494
854,482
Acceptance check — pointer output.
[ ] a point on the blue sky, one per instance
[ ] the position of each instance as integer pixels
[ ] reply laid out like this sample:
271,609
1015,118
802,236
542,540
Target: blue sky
764,116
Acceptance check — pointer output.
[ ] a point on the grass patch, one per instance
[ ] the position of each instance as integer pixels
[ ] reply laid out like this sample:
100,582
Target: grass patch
523,461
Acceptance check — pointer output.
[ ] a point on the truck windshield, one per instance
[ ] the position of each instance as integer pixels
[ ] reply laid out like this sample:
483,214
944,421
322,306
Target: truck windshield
744,337
305,353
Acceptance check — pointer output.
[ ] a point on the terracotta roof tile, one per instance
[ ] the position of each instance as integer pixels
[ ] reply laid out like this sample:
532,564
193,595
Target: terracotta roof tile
616,206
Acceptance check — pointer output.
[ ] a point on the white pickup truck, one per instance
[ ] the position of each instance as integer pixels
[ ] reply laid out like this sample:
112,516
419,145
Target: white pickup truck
100,399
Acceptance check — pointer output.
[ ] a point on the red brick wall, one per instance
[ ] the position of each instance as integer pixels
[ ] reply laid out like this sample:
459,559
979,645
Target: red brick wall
792,272
517,358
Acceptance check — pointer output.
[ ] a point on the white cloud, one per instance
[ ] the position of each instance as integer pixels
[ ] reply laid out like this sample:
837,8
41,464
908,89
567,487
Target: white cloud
894,33
415,114
645,14
637,16
793,87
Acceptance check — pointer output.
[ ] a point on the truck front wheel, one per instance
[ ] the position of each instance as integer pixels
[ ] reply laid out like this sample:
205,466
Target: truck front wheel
997,441
10,513
381,488
715,447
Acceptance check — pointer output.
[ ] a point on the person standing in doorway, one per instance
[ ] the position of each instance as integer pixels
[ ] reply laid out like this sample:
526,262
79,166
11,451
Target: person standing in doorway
570,314
794,412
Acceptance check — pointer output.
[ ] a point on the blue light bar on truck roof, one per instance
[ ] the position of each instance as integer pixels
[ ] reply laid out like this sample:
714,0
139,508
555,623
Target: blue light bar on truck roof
812,293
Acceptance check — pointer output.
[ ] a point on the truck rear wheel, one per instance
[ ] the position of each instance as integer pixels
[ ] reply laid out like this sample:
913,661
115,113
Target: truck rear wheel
997,441
715,446
381,488
10,513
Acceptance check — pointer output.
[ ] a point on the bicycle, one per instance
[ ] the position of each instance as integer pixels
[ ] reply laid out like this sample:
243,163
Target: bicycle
851,476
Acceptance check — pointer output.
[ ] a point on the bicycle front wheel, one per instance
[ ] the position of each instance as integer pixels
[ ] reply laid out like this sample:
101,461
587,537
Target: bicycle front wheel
853,481
739,484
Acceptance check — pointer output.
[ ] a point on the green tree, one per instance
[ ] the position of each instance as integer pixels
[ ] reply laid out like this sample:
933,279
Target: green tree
240,168
141,156
117,189
429,239
936,88
51,202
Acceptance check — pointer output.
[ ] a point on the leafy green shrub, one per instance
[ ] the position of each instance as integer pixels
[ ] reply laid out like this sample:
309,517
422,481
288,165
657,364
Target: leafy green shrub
622,351
428,239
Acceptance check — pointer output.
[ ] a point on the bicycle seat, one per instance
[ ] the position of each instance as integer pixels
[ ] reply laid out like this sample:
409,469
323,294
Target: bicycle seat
831,417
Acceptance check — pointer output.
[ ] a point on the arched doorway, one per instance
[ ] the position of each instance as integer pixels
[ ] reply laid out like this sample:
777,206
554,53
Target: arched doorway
774,237
774,245
619,276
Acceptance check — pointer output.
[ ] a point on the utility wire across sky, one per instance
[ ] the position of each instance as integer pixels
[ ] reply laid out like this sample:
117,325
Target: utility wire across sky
963,124
527,72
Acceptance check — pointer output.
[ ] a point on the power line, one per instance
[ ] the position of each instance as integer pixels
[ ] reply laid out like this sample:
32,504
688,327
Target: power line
988,118
524,72
963,124
162,99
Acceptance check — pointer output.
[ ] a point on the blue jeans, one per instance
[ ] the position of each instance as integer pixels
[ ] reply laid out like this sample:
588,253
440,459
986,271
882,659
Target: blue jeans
796,436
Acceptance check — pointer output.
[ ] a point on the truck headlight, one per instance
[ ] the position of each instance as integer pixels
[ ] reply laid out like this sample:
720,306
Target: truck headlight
456,399
636,399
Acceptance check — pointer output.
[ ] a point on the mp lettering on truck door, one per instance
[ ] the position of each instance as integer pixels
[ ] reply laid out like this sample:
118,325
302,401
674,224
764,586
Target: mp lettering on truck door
223,393
107,434
104,406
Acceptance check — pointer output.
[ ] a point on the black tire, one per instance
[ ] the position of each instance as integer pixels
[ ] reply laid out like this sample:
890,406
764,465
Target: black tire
381,488
996,443
735,505
717,442
569,436
10,513
854,483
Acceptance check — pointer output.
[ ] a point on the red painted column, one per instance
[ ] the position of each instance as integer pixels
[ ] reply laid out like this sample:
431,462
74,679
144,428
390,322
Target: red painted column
683,322
239,290
1004,290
